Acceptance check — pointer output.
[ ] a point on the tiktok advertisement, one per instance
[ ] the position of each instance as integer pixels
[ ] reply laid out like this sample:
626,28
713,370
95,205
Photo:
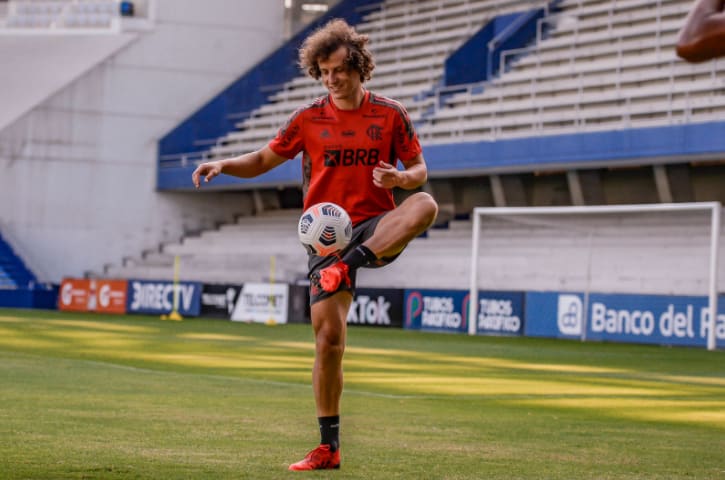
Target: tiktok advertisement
378,307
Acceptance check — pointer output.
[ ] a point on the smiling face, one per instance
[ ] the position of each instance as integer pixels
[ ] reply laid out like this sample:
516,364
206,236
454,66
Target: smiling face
342,82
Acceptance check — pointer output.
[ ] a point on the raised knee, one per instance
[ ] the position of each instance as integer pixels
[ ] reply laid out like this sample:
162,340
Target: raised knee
428,209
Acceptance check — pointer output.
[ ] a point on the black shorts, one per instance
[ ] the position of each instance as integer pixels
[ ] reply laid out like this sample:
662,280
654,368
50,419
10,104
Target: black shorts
360,232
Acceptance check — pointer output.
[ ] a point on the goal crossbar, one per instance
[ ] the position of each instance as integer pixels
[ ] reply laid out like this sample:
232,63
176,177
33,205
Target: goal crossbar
715,216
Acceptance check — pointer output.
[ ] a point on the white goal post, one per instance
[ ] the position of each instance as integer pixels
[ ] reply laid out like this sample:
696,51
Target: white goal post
714,236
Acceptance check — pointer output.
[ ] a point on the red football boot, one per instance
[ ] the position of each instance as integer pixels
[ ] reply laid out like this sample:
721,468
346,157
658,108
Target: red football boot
320,458
332,276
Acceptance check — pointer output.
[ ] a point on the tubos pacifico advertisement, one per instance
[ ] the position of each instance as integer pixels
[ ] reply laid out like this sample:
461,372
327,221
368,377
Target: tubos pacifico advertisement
499,313
436,310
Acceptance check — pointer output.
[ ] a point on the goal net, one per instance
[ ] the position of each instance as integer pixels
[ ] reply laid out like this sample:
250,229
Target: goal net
653,249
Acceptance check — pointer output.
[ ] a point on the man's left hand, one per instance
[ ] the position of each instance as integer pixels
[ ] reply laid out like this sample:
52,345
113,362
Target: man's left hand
386,176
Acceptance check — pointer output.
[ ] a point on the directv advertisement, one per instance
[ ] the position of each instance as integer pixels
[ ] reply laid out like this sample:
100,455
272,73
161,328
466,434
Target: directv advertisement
157,297
654,319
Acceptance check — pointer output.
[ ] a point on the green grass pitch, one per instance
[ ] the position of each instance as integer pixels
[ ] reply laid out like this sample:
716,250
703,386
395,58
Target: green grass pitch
87,396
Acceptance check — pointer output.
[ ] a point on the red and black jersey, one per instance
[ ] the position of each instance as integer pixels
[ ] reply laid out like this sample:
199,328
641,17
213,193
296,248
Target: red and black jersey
340,148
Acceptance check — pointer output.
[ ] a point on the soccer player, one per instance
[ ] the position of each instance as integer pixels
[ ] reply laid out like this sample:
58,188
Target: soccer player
702,37
351,140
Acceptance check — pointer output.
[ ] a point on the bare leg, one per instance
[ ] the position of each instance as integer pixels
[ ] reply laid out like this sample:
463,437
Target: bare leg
702,37
396,229
329,322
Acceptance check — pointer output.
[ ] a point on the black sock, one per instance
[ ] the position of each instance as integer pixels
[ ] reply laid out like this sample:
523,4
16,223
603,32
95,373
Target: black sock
330,431
359,257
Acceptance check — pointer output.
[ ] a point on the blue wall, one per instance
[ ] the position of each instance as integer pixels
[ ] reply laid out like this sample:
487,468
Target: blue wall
636,146
212,120
45,297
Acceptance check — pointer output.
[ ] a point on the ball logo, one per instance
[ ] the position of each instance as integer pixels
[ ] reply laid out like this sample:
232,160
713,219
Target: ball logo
569,315
330,210
328,236
305,223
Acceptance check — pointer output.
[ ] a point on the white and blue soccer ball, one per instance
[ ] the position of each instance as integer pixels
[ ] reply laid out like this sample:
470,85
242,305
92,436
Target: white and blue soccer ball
325,228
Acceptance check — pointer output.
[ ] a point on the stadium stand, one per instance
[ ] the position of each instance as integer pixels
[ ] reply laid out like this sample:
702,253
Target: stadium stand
605,254
233,253
625,255
13,272
593,66
411,42
592,108
62,14
600,66
604,66
5,280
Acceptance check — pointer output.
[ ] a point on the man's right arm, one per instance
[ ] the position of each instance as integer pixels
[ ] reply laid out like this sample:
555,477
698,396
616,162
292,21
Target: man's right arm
247,165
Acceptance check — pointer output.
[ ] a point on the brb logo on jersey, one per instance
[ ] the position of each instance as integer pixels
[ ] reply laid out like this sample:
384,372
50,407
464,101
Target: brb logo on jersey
351,157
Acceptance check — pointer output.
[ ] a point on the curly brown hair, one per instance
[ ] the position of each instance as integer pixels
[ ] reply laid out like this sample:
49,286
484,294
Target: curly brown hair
324,41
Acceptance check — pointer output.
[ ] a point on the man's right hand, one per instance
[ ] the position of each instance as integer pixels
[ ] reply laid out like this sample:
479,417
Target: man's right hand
207,170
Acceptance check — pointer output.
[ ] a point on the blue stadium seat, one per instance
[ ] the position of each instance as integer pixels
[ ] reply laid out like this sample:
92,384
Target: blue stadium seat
13,272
